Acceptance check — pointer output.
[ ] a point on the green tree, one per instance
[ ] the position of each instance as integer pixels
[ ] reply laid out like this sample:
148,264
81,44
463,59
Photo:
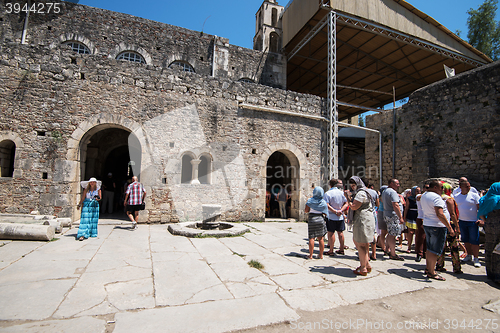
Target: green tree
484,31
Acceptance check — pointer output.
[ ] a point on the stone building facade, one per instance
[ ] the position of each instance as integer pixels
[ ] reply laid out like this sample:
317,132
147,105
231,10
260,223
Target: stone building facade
173,110
447,129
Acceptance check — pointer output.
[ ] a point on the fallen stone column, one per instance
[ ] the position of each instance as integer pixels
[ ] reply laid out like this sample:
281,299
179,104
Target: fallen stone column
16,231
56,224
65,222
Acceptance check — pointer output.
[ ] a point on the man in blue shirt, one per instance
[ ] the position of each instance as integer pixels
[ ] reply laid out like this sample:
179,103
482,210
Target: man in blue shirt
337,204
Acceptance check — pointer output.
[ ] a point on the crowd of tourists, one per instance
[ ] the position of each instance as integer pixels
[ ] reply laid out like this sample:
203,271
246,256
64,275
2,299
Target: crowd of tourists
433,220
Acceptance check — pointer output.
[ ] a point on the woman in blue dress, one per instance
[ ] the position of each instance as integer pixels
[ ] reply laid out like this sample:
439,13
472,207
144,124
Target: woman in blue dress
90,209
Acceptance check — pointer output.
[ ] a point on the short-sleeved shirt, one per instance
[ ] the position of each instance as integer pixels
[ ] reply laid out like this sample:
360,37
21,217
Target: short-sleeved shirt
429,200
135,191
336,198
467,206
458,190
388,197
362,197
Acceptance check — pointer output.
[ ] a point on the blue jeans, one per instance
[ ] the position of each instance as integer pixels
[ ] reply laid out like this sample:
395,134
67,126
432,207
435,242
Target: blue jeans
469,232
435,238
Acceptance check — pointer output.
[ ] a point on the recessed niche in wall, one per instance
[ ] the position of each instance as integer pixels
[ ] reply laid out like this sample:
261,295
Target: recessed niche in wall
164,180
201,58
307,154
49,28
172,144
224,148
254,151
45,175
82,76
73,61
40,133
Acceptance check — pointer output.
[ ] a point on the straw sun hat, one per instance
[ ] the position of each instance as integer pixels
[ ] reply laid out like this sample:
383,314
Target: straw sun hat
86,182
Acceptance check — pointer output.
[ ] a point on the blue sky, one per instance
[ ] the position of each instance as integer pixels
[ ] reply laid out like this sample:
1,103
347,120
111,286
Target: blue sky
235,19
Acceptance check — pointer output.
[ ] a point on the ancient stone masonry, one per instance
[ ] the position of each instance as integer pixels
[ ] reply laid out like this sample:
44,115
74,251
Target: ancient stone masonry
65,112
109,34
447,129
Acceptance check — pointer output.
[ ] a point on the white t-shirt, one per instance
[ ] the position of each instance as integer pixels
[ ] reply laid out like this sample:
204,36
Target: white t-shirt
458,190
467,206
429,200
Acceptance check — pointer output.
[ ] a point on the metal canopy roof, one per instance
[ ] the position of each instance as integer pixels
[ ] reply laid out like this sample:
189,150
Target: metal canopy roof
371,57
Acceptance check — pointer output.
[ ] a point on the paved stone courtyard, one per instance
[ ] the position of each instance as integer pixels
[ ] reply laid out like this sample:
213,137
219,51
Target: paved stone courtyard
151,281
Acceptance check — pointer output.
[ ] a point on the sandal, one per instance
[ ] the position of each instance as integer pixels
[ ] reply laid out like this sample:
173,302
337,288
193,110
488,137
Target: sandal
373,258
440,269
436,277
81,238
368,269
358,272
396,257
340,252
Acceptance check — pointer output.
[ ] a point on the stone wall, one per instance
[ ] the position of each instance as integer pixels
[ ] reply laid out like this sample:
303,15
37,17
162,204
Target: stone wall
53,100
447,129
108,34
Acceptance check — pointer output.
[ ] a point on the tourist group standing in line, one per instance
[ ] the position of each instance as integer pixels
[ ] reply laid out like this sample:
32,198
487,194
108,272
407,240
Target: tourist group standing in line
433,220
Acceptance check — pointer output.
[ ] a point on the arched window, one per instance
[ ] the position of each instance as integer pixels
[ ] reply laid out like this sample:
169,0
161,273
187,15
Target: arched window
274,42
274,17
181,65
186,169
258,44
246,80
7,155
131,56
205,169
78,47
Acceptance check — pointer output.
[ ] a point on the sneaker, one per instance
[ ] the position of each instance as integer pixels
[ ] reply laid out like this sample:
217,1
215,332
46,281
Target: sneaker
134,226
476,262
467,258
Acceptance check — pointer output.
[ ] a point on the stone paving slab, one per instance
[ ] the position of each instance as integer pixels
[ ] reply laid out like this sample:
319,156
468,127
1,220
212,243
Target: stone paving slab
77,325
150,279
208,317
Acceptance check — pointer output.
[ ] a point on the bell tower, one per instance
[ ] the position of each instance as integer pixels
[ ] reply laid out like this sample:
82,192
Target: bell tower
268,27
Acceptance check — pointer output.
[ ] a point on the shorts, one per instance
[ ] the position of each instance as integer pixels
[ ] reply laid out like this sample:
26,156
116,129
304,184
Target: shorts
134,208
435,238
381,221
469,232
393,226
332,225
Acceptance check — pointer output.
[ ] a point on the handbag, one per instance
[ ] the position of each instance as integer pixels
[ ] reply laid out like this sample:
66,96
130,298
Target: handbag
142,206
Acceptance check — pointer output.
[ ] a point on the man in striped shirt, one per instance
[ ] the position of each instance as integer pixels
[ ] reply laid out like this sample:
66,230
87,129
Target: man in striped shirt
134,197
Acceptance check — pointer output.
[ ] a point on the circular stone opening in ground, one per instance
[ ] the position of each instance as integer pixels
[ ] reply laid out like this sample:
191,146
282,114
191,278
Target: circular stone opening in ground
199,229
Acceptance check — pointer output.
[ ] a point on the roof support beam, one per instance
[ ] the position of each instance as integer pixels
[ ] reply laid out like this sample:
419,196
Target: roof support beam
397,35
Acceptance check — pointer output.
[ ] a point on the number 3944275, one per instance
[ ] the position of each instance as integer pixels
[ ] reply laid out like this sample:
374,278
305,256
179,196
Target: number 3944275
35,8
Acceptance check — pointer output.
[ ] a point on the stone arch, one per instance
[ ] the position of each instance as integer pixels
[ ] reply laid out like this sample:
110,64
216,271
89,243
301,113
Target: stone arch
17,142
185,58
72,37
186,166
258,43
205,168
71,169
298,163
122,47
274,42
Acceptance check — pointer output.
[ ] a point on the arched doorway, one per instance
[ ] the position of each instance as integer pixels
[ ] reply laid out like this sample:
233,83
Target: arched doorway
7,156
282,175
110,149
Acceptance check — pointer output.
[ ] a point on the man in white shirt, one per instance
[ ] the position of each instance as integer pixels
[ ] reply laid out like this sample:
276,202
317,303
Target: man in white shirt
337,204
468,205
458,190
436,223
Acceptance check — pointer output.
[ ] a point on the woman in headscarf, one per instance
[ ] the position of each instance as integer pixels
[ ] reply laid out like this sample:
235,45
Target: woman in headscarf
410,215
316,226
90,208
363,225
489,215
